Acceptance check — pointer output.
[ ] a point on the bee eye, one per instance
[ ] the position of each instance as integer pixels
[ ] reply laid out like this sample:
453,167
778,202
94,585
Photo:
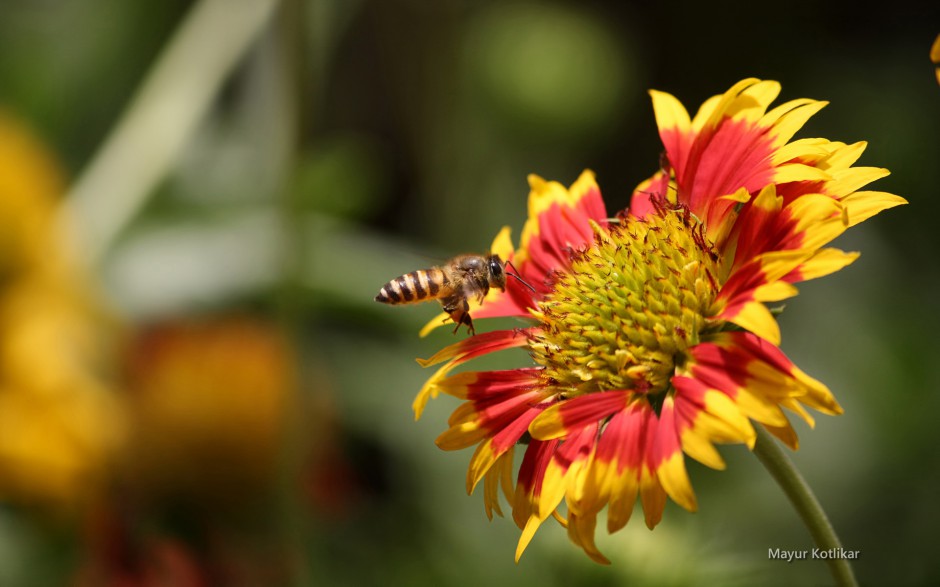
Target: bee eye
496,267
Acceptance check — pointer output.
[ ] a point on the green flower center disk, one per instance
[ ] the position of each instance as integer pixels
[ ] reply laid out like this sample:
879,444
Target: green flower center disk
627,310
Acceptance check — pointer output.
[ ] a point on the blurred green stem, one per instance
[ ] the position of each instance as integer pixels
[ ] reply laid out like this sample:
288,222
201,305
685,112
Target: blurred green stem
807,506
152,131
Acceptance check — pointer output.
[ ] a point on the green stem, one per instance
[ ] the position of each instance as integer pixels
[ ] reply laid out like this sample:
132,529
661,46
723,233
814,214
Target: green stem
807,506
152,131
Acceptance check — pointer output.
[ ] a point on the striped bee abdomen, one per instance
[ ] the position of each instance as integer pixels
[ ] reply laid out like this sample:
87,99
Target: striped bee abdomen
414,287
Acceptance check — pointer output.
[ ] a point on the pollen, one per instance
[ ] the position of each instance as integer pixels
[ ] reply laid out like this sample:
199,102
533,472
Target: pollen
625,313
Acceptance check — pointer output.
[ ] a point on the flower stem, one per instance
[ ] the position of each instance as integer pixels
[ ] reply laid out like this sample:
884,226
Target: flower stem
154,128
807,506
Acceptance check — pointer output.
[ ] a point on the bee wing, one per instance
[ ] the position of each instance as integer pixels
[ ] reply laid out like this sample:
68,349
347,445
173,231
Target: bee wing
470,290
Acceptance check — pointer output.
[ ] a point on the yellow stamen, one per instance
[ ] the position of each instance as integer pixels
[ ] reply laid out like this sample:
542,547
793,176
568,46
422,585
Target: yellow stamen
625,313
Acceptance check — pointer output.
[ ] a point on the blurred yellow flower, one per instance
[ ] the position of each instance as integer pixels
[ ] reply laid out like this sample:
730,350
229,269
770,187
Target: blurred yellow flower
210,404
935,56
59,424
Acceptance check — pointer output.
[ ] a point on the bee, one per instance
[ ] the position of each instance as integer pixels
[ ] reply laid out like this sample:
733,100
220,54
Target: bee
452,284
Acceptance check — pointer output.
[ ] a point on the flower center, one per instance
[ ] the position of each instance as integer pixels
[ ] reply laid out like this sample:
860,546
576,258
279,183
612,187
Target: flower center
627,310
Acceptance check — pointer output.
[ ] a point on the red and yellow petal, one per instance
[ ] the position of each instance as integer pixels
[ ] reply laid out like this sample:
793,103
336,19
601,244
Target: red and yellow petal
757,378
746,100
638,454
741,299
565,417
788,118
612,476
489,387
823,262
844,180
767,226
497,443
861,206
832,157
495,469
775,247
527,510
498,477
499,408
559,223
459,353
667,458
581,530
733,143
544,477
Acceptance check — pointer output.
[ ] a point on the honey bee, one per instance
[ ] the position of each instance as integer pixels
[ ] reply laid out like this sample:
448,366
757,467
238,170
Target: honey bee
452,284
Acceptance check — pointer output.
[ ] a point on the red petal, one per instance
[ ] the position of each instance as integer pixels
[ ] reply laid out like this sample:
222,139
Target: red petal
480,344
532,471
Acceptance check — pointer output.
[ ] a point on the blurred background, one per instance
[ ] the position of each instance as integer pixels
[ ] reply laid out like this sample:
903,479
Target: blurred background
199,200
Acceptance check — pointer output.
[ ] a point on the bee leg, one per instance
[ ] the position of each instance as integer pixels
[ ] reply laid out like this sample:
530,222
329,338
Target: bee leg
484,289
465,319
459,311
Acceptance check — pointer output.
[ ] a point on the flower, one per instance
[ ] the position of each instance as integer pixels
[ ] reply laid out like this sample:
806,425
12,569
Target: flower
649,332
215,394
60,424
935,56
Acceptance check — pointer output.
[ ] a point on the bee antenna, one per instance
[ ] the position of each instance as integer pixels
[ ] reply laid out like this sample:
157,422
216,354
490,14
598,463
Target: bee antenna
522,281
